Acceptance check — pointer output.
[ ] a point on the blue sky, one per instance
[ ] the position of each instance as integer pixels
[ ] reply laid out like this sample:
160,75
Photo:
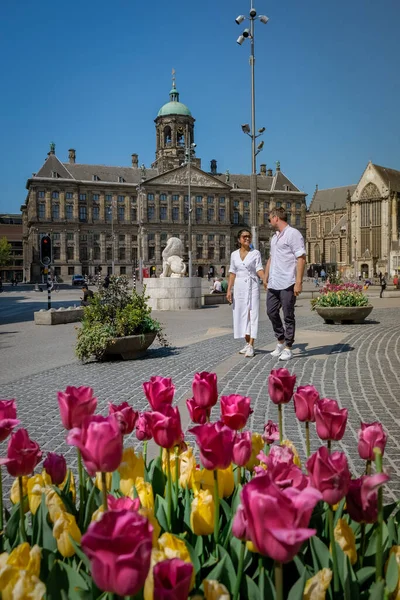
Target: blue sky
93,75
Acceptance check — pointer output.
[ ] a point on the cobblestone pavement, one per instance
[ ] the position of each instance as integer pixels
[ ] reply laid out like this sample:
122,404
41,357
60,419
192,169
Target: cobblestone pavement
361,370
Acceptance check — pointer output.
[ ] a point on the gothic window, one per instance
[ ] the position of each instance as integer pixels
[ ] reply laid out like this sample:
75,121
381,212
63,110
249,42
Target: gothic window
327,226
370,191
333,253
317,254
313,228
167,136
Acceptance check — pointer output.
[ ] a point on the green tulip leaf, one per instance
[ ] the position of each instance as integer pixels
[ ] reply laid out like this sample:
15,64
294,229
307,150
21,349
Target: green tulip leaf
12,526
188,508
75,582
157,477
251,589
236,499
320,554
216,572
296,592
392,530
194,557
90,507
391,510
235,547
80,553
371,548
377,591
65,583
115,482
392,574
46,531
67,484
226,508
199,547
161,512
364,574
229,572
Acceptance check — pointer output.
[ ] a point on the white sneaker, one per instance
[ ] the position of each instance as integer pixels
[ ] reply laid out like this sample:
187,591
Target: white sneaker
278,350
286,354
244,349
249,352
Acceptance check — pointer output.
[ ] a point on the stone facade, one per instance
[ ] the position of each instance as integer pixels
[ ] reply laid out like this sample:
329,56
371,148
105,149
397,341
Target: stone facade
355,229
11,229
98,215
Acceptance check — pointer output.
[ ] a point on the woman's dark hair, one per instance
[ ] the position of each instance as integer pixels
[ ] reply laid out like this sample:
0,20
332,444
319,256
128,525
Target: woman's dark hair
240,233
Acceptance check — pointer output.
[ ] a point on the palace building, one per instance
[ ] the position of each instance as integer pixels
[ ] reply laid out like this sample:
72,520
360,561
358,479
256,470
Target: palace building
104,217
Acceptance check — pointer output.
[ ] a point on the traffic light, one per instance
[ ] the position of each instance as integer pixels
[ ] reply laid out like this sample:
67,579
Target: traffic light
45,250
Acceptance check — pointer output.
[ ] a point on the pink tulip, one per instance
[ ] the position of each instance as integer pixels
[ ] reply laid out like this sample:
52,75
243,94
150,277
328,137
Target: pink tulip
271,433
123,503
304,401
75,405
143,427
239,525
56,467
172,579
119,549
8,418
215,442
23,454
198,414
281,468
205,392
277,520
100,442
329,473
126,416
159,392
281,385
235,410
362,497
242,448
166,427
370,436
330,420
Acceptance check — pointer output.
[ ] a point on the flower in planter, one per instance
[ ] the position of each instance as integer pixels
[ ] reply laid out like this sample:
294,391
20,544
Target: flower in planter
54,504
235,410
130,469
145,492
143,427
317,586
214,590
36,486
75,404
282,469
204,387
281,385
23,454
64,528
329,473
304,400
271,433
226,482
370,436
330,420
172,579
20,573
202,513
8,418
215,441
187,466
166,427
242,448
362,497
100,442
198,414
126,416
344,536
56,467
159,392
257,445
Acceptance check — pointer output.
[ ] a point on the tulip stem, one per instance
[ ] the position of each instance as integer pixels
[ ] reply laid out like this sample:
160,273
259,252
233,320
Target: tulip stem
266,449
261,577
362,544
1,502
216,502
81,486
278,580
104,490
238,475
329,445
368,467
169,489
236,591
379,529
308,438
21,510
280,423
334,553
176,474
145,454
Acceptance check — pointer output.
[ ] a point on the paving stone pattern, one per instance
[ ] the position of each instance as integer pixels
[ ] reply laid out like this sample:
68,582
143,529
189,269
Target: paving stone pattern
362,373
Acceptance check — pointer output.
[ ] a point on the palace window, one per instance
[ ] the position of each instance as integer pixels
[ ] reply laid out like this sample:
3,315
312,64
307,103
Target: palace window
199,199
313,228
55,195
95,197
222,200
199,213
70,236
96,253
69,196
82,213
55,211
246,204
222,214
175,198
121,214
56,237
82,197
96,213
236,218
134,214
69,212
163,197
150,213
175,213
108,197
150,196
163,213
70,253
41,211
210,253
121,253
210,214
210,199
40,194
121,198
109,214
56,253
152,252
298,220
246,218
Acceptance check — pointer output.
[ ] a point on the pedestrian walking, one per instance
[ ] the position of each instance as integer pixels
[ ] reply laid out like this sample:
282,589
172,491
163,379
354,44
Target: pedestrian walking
106,281
284,280
244,273
383,284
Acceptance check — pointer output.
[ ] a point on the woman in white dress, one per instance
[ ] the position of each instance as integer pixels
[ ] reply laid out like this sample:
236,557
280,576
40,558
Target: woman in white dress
244,273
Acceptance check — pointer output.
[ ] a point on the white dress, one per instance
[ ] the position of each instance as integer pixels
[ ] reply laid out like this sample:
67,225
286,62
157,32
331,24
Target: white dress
246,293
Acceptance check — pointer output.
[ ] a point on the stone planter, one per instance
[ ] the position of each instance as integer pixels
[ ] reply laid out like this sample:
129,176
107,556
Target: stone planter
130,346
343,314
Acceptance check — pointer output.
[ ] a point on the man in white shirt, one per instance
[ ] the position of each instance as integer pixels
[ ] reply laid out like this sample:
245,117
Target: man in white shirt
284,280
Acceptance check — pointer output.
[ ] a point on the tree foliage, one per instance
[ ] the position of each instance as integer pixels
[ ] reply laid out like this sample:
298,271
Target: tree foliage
5,252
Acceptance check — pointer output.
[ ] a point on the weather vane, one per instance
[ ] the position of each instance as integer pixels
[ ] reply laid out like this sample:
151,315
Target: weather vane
173,78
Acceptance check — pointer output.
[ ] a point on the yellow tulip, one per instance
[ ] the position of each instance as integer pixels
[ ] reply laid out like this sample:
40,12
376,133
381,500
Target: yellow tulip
145,493
202,516
396,551
187,467
257,444
14,493
63,528
35,487
251,547
172,459
156,556
54,504
24,557
130,469
226,481
96,516
345,537
17,584
214,590
72,487
316,587
98,482
150,516
296,457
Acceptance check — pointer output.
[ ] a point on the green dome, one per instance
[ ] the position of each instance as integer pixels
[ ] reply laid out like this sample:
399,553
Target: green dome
174,108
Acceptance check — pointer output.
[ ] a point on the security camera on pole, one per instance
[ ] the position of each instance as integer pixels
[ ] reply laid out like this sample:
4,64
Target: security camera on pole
249,33
46,256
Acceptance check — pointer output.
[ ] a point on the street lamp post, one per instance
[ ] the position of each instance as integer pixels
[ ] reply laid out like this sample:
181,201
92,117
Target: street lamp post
190,149
249,33
111,210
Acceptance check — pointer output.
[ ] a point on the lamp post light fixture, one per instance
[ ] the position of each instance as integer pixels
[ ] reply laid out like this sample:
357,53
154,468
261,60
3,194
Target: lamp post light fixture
246,128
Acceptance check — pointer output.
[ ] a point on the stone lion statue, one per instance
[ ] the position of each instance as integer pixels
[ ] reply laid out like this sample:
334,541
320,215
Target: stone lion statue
173,265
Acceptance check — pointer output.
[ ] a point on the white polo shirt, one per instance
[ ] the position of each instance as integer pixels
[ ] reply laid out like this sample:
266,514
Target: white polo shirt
286,247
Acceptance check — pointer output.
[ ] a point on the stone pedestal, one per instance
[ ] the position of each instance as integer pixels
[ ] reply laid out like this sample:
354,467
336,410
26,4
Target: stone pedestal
169,293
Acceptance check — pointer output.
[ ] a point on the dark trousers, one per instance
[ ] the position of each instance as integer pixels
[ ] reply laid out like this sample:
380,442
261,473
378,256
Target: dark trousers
285,299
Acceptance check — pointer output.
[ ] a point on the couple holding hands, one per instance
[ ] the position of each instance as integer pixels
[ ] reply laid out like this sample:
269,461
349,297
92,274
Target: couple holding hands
282,278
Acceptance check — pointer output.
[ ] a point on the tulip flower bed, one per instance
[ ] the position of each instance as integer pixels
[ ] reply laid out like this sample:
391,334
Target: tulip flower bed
249,522
340,294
